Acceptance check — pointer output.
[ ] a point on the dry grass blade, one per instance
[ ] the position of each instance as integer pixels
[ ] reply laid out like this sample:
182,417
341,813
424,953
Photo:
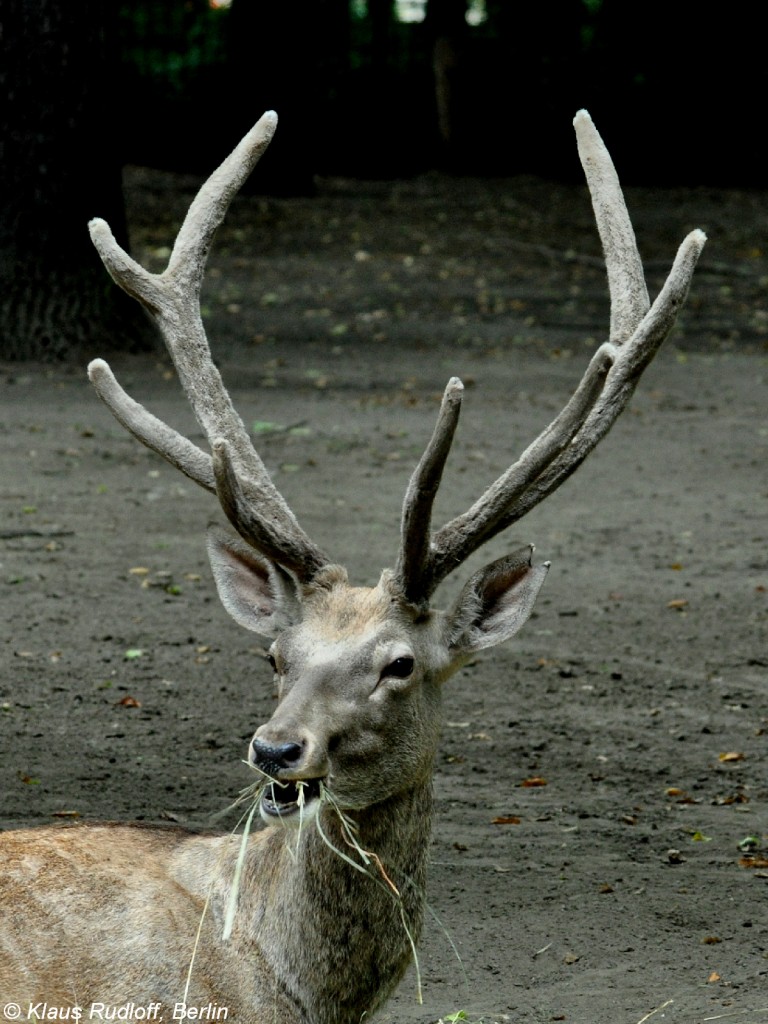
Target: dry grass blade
367,857
652,1012
229,917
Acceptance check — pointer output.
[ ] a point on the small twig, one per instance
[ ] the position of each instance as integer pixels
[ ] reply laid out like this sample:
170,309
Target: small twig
543,949
646,1017
736,1013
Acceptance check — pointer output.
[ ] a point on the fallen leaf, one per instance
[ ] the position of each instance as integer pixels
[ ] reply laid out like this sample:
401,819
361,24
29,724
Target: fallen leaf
753,862
714,976
711,940
571,958
132,653
731,755
674,791
139,570
508,820
735,798
605,888
678,604
534,781
699,837
129,702
65,814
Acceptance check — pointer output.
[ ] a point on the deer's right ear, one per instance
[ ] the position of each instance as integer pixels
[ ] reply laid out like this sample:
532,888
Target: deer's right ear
256,592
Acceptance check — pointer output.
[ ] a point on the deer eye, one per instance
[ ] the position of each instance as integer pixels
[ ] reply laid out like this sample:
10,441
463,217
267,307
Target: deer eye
400,668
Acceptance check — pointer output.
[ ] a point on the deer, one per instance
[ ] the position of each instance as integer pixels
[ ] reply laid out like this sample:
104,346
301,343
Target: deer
314,917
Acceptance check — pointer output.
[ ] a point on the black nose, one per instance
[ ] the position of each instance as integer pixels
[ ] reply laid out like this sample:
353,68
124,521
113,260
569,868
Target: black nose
271,759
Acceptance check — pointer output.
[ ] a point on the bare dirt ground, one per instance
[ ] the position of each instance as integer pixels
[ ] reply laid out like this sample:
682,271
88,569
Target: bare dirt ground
634,877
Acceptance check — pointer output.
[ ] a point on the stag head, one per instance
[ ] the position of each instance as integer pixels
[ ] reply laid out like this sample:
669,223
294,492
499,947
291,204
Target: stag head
358,667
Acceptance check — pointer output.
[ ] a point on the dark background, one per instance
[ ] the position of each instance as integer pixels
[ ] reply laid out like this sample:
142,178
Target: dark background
472,88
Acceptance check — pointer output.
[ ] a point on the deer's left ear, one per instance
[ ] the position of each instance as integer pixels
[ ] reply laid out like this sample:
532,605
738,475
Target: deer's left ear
495,603
256,592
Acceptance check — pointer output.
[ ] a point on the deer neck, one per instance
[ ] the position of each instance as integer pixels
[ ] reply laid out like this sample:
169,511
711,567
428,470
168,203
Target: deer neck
339,940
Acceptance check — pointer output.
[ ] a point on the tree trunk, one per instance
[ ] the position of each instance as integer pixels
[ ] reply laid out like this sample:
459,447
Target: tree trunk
58,168
446,22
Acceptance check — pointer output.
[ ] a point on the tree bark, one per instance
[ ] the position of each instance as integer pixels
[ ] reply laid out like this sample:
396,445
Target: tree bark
446,22
58,168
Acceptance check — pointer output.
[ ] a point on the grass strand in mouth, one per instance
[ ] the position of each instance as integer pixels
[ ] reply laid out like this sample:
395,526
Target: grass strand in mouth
414,954
252,792
300,786
350,838
229,917
369,864
256,792
349,830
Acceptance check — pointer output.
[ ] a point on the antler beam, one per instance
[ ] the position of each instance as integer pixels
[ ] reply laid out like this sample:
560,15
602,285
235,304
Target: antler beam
237,475
172,300
636,333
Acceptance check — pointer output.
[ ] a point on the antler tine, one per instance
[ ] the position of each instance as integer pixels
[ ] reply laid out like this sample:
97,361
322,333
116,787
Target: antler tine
152,432
173,302
626,279
251,513
607,385
420,496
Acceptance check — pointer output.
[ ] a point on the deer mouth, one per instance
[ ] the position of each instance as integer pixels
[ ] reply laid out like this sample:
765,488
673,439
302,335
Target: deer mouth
293,798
